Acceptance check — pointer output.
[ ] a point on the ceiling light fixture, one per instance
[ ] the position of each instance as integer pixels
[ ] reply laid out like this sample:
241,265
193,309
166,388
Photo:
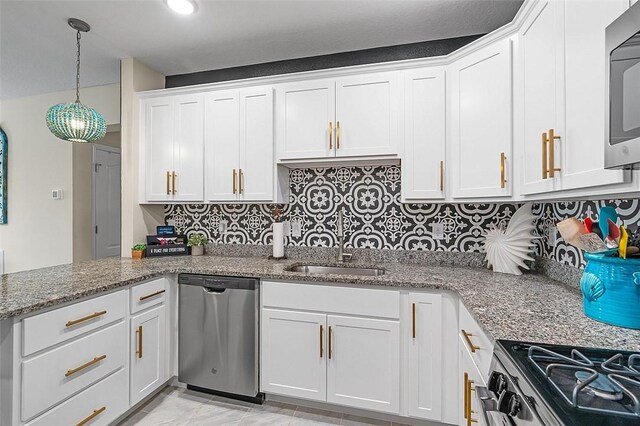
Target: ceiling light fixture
73,121
183,7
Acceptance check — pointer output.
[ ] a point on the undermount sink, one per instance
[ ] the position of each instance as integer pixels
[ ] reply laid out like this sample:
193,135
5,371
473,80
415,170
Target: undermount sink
338,270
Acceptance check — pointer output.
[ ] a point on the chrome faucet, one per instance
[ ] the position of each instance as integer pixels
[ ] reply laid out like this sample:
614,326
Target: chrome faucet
342,256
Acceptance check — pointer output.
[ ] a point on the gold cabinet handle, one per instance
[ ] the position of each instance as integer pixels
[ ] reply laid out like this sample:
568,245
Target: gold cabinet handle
168,187
545,165
330,135
467,336
92,416
413,319
85,365
552,153
330,344
174,182
441,175
149,296
241,181
321,341
139,334
83,319
337,134
467,399
465,379
235,190
503,180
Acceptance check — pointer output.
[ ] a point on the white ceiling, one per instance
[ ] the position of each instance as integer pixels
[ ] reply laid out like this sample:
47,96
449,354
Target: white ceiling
37,48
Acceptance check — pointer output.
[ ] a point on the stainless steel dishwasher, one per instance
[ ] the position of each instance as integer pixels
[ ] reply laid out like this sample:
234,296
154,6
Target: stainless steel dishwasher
218,334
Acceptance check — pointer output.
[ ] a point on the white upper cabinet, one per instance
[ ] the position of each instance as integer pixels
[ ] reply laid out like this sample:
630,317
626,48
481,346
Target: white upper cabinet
305,119
239,145
355,116
173,135
423,163
481,124
561,90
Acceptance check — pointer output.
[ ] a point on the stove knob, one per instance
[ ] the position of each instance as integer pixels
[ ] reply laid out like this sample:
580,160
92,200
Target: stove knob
497,383
509,403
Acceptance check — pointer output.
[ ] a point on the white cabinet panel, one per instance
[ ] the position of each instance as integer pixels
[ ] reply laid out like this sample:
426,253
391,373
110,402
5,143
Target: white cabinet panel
158,140
468,402
481,122
148,361
222,112
293,354
305,112
189,148
425,134
425,350
256,144
368,110
146,295
363,366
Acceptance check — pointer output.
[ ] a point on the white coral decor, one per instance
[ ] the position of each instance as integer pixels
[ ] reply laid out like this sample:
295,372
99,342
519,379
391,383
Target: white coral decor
507,249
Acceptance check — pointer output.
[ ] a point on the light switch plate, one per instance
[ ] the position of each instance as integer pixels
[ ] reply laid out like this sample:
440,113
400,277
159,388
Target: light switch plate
223,226
437,231
57,194
296,229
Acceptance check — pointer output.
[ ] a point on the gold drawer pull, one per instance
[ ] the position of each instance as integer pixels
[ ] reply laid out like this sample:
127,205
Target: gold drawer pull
413,319
92,416
241,182
330,135
83,319
552,153
330,345
545,166
168,186
503,179
149,296
85,365
139,333
321,341
338,134
173,180
467,337
441,175
234,181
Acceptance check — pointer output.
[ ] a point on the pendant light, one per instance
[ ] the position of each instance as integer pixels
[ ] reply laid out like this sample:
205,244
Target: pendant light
75,122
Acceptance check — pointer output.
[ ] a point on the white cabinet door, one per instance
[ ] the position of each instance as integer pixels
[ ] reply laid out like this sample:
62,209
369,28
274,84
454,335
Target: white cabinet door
256,146
188,152
423,160
425,364
148,362
363,365
222,112
541,59
305,113
293,354
583,159
368,110
158,142
481,122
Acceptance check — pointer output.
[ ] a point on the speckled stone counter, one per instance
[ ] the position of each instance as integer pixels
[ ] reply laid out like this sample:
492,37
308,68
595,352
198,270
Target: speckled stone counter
528,308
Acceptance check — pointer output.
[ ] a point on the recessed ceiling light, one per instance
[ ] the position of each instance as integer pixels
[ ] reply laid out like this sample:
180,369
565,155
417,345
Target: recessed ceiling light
183,7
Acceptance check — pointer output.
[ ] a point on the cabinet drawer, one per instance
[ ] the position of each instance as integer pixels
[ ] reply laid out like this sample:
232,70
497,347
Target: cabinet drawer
105,399
330,298
53,327
55,375
476,341
149,294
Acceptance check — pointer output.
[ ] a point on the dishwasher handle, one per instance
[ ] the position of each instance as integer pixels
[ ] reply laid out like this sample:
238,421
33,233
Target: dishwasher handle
214,290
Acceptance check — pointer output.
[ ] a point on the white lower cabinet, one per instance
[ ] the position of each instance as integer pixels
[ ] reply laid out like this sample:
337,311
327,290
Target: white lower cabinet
148,366
363,363
470,376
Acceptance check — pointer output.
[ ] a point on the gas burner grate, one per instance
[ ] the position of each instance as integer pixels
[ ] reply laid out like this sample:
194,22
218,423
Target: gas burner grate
624,376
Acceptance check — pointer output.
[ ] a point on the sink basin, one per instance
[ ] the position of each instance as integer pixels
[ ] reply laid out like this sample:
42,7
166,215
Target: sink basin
338,270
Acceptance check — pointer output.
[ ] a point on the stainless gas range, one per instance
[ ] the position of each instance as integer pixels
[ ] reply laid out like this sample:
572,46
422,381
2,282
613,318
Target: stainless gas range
539,384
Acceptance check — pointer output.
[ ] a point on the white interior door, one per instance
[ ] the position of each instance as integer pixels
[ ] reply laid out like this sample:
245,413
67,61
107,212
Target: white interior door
368,109
222,110
363,369
305,113
189,148
425,134
158,144
148,353
256,146
106,201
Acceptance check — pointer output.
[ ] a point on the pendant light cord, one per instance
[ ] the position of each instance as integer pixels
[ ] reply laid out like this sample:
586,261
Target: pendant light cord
78,36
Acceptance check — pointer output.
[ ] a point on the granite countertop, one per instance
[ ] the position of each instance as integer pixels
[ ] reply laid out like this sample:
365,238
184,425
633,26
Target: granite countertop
526,308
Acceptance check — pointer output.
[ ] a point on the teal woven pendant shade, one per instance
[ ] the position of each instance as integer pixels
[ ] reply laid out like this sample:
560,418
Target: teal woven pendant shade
75,122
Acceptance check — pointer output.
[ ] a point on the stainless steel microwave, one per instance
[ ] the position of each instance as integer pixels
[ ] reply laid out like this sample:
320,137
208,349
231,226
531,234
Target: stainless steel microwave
622,118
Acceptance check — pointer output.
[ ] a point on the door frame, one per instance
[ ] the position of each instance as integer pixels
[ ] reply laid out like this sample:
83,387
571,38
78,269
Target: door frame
112,150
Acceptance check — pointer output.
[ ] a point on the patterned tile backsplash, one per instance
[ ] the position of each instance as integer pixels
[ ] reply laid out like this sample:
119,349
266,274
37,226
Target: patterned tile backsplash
375,218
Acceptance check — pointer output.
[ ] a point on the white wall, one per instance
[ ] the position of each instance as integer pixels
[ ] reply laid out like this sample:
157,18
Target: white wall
39,232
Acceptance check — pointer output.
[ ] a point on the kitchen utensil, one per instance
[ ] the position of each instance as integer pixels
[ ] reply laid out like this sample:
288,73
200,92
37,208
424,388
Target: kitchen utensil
622,246
588,223
605,214
571,229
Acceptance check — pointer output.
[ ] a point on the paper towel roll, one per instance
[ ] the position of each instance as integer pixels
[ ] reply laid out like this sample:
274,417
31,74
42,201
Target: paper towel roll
278,239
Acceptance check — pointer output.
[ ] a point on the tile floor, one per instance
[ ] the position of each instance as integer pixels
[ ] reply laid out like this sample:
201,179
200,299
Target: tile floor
179,406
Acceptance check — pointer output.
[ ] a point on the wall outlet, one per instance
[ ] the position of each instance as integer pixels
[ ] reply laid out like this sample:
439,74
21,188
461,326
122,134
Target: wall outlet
57,194
223,226
437,231
296,229
286,228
